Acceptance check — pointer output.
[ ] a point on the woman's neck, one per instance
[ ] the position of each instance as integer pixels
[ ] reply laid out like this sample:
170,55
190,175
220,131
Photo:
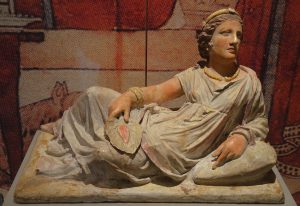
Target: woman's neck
223,68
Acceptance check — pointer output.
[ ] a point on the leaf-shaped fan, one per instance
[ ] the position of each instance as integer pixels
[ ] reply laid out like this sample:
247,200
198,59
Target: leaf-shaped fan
124,136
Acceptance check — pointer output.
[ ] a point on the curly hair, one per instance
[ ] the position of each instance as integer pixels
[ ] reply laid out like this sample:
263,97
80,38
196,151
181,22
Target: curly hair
205,34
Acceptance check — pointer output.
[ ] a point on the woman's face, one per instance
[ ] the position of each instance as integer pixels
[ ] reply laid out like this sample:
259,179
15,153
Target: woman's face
226,40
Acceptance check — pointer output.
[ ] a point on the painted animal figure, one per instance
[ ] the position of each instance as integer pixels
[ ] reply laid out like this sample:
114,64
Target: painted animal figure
47,110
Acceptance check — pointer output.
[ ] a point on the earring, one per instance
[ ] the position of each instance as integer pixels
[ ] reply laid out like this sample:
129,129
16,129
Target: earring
210,44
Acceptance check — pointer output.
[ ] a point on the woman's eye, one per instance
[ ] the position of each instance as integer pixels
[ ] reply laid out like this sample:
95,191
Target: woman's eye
225,33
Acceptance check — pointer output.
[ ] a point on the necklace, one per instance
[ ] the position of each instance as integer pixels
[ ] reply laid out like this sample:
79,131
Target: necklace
219,77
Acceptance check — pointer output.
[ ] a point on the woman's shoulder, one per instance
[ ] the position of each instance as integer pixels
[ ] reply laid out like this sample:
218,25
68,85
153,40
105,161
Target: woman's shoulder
189,77
254,80
193,68
189,70
248,70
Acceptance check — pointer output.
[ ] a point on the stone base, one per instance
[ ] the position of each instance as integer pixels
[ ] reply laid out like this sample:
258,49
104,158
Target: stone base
40,189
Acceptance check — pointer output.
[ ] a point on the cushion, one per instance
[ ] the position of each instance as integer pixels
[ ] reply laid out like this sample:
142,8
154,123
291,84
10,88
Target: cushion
251,167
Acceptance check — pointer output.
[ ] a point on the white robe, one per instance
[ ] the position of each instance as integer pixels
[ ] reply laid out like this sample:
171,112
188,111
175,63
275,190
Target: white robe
173,141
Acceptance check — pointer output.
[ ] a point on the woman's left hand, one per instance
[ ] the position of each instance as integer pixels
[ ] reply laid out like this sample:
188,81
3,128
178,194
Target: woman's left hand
232,148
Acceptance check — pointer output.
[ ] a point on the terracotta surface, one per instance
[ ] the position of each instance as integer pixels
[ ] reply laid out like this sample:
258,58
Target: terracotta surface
32,188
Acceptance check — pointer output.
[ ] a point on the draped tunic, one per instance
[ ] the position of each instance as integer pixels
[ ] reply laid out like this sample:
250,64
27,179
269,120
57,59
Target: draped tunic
176,140
172,142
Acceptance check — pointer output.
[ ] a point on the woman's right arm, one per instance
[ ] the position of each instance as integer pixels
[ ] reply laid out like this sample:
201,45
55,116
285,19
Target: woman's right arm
159,93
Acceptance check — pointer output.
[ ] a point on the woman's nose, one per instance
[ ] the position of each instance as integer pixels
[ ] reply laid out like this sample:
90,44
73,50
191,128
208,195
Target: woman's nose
234,39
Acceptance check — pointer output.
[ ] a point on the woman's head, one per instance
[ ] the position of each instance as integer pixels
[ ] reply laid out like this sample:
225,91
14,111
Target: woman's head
205,35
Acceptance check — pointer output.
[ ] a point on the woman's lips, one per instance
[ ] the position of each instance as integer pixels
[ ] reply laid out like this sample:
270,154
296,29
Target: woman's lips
232,50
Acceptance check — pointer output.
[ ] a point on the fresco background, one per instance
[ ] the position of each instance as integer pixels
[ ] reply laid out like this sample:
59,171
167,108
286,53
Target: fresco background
52,50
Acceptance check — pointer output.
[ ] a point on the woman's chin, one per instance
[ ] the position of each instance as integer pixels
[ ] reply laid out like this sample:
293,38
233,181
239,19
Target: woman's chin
229,58
230,55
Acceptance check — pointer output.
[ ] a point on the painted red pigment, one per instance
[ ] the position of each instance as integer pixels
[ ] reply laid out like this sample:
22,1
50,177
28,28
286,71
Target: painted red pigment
85,14
108,14
32,8
29,7
133,13
119,60
256,15
124,133
9,112
287,73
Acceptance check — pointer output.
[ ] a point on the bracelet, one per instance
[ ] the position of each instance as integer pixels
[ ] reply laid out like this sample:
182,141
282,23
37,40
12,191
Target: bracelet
138,93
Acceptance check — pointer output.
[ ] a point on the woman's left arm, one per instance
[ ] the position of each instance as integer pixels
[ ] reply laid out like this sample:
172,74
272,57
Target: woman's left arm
254,127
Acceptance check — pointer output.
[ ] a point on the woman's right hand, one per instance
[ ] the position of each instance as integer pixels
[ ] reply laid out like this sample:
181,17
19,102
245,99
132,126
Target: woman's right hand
121,105
160,93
